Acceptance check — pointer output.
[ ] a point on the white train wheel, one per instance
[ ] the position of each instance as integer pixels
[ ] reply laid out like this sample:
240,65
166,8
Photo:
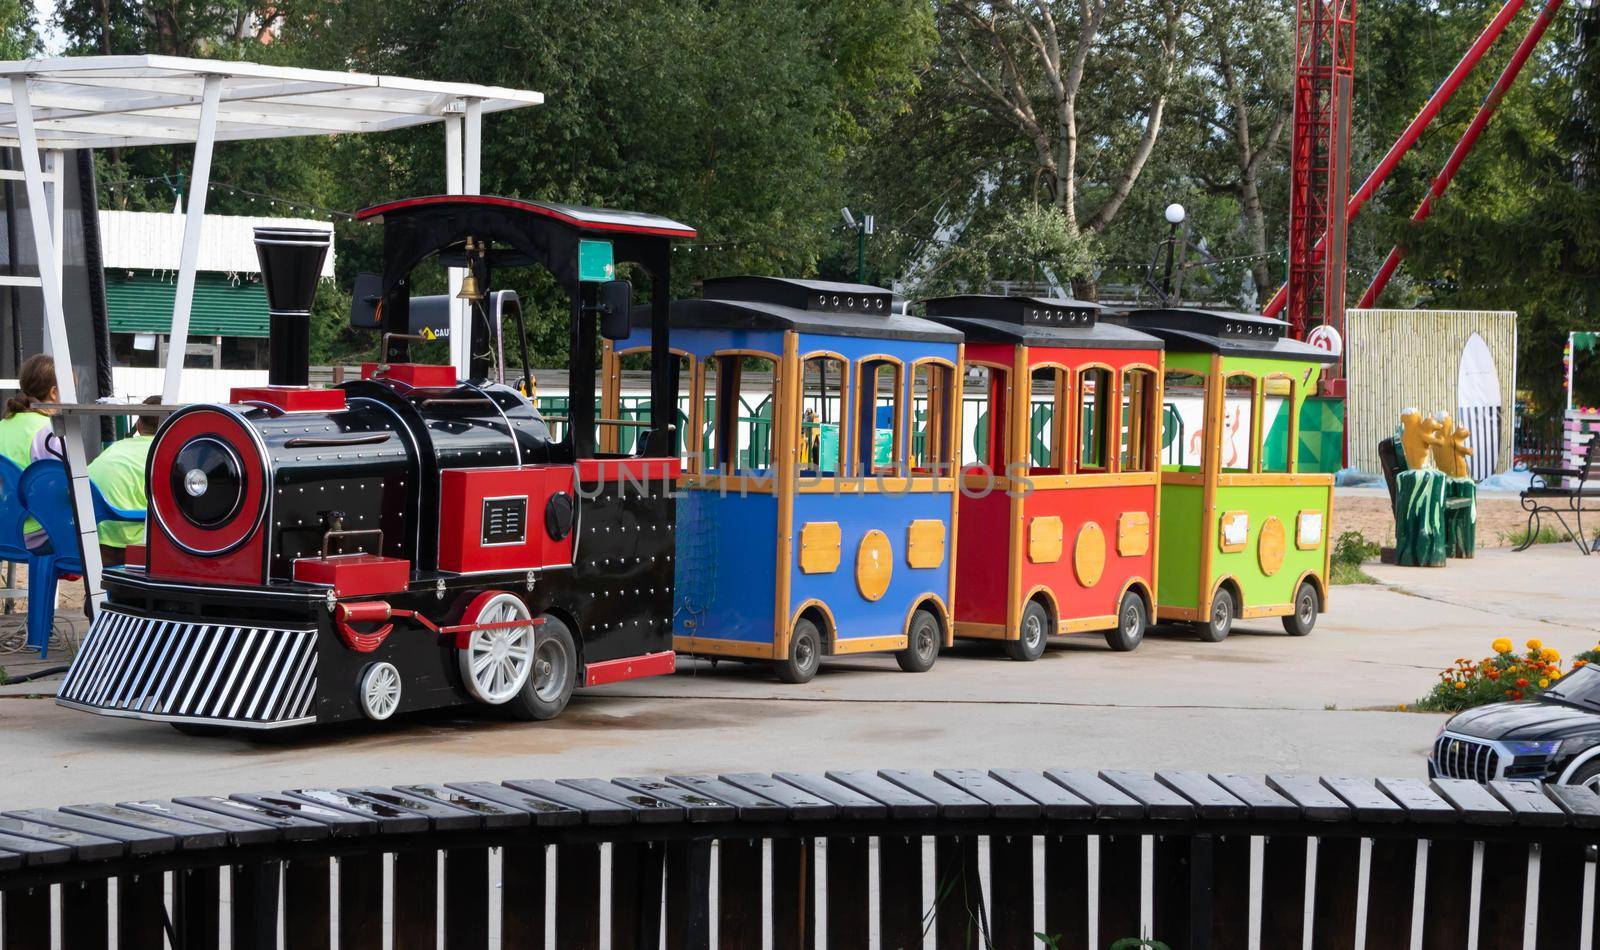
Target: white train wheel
495,663
380,691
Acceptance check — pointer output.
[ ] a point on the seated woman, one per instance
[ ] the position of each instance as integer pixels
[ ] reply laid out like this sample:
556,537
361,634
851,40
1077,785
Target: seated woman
25,433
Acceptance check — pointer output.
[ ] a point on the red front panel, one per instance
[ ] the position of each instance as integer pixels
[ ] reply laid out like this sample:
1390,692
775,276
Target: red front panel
1076,507
290,398
233,552
355,575
983,552
493,519
415,375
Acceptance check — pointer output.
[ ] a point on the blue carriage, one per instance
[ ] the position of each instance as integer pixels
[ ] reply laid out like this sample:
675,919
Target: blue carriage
819,432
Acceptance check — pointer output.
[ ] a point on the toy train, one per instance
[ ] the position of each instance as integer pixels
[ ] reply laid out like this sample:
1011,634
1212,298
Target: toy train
424,537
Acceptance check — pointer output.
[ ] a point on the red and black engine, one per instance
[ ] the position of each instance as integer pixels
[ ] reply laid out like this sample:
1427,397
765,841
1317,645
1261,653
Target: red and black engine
405,541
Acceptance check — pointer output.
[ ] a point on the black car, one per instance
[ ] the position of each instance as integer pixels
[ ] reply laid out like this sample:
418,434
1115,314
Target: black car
1554,738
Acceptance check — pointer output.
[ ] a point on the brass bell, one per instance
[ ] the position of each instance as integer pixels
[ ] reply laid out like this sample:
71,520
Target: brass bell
469,284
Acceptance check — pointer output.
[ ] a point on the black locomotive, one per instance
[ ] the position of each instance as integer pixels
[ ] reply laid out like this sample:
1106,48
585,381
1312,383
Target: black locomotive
417,538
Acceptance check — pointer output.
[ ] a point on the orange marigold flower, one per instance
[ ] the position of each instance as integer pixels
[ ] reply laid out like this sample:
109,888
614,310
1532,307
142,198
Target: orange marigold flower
1494,674
1535,644
1501,645
1521,682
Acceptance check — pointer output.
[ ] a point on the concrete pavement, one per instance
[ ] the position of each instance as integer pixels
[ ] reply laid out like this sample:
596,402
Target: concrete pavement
1260,701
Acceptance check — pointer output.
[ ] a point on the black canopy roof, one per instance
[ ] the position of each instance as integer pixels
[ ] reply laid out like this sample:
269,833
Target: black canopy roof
1034,321
1231,334
808,306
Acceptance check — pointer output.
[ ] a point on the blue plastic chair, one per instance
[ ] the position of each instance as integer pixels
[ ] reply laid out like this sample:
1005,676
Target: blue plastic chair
13,514
46,494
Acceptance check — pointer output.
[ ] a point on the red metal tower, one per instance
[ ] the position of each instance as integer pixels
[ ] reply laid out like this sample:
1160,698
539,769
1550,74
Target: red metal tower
1325,46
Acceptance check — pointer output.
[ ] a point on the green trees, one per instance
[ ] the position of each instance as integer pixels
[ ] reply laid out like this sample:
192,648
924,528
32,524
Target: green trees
995,141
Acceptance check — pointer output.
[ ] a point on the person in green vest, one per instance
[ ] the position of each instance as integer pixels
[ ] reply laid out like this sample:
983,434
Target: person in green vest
119,474
25,433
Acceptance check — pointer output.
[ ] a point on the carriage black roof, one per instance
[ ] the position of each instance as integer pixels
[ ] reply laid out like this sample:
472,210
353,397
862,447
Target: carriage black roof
1230,334
808,306
1034,321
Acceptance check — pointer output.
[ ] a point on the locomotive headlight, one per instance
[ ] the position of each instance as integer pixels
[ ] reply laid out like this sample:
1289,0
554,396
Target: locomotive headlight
207,482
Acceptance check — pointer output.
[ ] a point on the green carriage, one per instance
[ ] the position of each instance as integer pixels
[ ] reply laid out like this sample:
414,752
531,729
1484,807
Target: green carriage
1244,532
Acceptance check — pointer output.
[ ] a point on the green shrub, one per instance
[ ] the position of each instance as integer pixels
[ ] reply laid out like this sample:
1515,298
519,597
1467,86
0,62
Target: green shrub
1350,551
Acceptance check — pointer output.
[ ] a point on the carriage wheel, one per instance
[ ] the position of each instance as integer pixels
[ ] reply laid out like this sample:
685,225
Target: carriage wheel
1304,618
1131,623
1223,610
555,674
495,663
1035,627
922,646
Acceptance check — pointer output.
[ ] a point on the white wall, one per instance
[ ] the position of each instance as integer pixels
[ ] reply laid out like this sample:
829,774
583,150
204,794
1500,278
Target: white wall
134,383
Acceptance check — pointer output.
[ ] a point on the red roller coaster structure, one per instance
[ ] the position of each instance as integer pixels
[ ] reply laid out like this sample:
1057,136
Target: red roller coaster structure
1319,182
1325,57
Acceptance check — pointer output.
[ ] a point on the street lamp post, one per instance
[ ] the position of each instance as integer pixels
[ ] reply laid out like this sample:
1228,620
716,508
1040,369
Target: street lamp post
1175,215
863,227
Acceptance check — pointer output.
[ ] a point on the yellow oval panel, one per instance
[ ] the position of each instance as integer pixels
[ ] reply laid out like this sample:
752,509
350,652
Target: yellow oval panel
1089,554
874,565
1271,546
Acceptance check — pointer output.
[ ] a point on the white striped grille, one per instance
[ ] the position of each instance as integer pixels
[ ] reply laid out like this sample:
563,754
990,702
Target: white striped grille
1458,757
168,669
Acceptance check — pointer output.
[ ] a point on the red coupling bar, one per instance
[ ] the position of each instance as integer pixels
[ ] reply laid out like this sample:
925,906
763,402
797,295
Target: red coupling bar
378,611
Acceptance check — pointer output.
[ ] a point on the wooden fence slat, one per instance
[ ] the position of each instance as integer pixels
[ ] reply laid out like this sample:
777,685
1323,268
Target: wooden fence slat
578,895
416,899
1448,900
1181,892
849,897
490,814
689,894
253,906
27,917
1389,896
1054,799
198,915
636,869
901,803
750,806
739,890
794,893
1003,800
466,898
900,907
1283,890
522,896
361,901
1066,889
961,916
1011,889
85,915
1120,869
1333,925
305,898
1560,918
1230,891
1505,892
142,911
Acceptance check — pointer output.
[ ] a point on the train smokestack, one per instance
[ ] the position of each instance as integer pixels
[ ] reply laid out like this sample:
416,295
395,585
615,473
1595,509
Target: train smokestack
291,264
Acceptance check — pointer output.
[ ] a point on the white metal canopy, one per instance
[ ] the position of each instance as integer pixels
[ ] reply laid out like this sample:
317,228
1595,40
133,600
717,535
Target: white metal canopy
118,101
75,102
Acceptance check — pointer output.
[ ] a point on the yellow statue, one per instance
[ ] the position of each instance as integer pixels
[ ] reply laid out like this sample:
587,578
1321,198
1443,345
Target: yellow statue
1419,435
1451,453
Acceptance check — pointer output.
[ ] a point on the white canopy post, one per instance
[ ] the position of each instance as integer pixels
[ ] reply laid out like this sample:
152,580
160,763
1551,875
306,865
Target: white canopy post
199,184
453,173
471,162
55,320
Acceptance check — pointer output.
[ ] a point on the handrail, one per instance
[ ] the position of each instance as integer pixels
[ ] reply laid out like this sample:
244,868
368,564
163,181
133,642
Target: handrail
1184,857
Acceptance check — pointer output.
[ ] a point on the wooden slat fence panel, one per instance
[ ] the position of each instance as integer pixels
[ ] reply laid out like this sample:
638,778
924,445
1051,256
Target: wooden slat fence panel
839,859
